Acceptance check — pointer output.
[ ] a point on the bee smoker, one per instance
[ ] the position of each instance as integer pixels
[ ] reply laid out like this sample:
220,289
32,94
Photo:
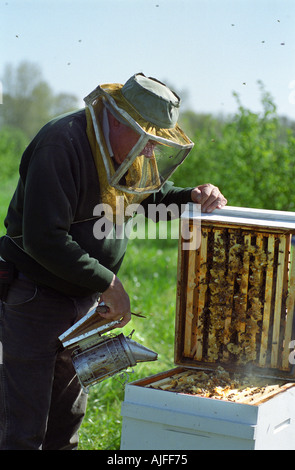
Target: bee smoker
97,354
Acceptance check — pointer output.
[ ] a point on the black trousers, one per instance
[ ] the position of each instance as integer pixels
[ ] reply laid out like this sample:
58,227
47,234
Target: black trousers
42,404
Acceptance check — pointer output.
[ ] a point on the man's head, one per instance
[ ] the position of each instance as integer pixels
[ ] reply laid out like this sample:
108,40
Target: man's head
143,135
123,138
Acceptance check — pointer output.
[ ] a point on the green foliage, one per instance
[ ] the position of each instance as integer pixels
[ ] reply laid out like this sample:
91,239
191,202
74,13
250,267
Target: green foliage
28,100
6,191
250,158
12,144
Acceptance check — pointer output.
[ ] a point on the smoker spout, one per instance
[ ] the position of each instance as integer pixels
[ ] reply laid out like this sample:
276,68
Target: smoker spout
141,353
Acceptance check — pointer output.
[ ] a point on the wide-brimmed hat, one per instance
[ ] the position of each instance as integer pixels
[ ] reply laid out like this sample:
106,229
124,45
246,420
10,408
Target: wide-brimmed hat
151,109
153,100
150,103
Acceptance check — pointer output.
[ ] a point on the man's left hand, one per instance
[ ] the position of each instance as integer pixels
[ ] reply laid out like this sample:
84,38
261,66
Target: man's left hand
209,197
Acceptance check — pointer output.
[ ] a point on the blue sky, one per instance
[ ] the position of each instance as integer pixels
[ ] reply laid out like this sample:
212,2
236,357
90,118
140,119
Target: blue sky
205,48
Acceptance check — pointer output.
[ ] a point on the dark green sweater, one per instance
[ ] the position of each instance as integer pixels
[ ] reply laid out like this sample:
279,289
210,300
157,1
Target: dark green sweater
50,218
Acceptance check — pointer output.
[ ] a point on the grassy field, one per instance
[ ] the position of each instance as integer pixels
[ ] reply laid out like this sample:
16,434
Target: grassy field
6,191
149,276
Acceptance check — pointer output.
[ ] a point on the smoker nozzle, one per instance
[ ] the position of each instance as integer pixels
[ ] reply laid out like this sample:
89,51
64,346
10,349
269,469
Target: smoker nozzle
139,352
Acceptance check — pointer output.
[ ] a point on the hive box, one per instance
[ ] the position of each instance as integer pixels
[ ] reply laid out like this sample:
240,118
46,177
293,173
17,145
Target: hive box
235,310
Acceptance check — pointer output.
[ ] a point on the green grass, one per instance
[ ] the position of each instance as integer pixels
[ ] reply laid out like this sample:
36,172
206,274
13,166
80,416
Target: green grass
6,191
148,274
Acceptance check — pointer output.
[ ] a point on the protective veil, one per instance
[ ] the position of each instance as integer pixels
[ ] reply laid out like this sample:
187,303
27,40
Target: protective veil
151,110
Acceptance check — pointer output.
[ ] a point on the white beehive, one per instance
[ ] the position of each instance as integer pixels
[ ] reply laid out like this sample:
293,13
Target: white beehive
235,310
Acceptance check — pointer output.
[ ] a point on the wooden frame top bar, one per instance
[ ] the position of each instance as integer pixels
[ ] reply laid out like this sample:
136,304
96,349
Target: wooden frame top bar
244,216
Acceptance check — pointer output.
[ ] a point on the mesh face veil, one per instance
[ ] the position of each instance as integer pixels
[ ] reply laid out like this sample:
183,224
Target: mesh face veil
156,151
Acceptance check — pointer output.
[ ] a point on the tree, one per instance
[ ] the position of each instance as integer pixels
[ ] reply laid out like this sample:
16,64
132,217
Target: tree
28,100
12,145
250,158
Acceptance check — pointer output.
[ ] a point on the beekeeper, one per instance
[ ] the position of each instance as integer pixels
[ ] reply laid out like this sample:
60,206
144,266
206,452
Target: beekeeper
126,143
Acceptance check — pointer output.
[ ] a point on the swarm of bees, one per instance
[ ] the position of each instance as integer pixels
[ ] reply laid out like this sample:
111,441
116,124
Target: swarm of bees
234,271
235,294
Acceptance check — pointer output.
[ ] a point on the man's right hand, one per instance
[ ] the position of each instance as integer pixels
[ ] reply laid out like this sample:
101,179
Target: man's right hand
117,301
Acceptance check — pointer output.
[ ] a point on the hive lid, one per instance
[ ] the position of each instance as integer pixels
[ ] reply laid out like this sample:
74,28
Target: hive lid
243,216
236,292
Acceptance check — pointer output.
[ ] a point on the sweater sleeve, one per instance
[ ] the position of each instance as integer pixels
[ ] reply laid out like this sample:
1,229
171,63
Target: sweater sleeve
169,195
50,200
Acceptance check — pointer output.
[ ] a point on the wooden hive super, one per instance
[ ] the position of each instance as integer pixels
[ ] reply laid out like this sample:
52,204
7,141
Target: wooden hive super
236,292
